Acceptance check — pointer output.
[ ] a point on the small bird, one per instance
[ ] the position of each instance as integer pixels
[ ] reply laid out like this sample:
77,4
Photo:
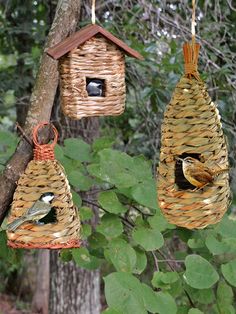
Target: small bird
198,174
95,87
39,210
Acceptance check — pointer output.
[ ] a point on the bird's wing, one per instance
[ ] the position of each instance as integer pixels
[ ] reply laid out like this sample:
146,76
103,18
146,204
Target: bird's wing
37,206
202,176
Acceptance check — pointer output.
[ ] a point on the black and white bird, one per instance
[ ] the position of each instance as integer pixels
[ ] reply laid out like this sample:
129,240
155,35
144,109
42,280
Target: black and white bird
95,88
39,210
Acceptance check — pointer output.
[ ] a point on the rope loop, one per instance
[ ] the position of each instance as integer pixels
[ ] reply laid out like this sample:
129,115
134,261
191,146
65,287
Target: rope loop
93,15
44,151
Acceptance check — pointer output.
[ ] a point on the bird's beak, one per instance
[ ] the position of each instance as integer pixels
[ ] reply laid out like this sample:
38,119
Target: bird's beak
181,159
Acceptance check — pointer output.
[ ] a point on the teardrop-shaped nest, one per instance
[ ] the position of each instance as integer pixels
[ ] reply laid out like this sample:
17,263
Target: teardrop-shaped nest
39,177
192,127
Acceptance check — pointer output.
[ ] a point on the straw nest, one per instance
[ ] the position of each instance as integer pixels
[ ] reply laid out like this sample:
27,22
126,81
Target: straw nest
40,177
96,58
192,127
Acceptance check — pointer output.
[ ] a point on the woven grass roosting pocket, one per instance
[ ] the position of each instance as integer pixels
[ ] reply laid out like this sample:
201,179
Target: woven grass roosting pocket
95,59
44,174
192,127
92,73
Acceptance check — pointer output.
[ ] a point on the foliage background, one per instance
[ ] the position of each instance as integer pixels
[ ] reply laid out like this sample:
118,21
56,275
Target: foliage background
147,264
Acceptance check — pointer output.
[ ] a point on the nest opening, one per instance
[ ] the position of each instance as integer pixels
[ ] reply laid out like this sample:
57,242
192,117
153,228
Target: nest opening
50,218
180,180
95,87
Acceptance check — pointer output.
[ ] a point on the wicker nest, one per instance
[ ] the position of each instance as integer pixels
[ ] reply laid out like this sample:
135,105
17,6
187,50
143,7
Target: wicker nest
44,174
192,127
97,58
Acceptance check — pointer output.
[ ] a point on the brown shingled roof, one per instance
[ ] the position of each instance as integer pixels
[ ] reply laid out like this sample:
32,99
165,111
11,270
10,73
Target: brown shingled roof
82,36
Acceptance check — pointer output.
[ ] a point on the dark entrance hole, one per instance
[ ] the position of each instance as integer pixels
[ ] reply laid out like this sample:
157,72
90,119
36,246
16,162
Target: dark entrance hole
51,217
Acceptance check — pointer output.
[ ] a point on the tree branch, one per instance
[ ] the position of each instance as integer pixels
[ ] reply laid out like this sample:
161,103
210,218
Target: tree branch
41,101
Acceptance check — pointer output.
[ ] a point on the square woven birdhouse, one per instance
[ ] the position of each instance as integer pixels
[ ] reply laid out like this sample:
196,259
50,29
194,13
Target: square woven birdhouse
92,72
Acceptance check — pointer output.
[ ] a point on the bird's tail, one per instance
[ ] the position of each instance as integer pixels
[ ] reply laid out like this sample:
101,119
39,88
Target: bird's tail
217,172
16,223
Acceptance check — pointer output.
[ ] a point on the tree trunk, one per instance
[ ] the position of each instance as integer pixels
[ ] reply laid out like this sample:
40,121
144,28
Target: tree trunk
73,290
41,296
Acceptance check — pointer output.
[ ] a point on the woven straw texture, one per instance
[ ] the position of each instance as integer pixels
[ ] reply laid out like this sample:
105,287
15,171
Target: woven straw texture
192,127
96,58
39,177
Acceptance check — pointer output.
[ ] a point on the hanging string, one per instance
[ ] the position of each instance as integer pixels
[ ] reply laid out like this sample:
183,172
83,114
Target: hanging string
191,50
93,16
193,29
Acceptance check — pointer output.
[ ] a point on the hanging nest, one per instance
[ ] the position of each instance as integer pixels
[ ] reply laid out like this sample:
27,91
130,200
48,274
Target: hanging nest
99,59
44,174
192,127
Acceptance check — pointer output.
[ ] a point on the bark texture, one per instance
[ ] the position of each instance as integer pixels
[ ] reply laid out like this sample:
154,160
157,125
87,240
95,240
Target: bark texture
41,296
73,290
41,102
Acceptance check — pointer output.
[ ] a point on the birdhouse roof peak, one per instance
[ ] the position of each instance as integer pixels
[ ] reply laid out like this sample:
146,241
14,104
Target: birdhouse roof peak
85,34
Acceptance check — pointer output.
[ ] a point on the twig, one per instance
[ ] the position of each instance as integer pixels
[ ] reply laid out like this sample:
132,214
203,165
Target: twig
173,269
25,136
126,221
155,260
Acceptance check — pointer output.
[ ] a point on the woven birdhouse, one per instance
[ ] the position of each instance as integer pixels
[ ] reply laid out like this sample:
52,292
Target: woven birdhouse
192,128
92,73
59,223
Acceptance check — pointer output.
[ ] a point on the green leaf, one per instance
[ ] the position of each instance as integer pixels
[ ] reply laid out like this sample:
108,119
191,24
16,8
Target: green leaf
161,280
85,213
66,255
97,240
124,293
159,222
150,299
166,304
76,199
229,272
225,295
80,181
214,246
145,193
195,311
102,142
4,251
141,261
84,259
59,153
110,226
227,227
122,255
148,238
109,201
199,274
77,149
86,231
203,296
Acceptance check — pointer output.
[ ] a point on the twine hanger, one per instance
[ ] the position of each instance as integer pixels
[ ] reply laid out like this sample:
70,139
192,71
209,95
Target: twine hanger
191,50
93,15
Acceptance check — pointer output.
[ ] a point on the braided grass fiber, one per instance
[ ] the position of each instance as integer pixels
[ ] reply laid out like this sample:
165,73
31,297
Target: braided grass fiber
192,127
44,174
96,58
40,177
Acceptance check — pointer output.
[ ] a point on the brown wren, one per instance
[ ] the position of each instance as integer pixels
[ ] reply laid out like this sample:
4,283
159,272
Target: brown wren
196,173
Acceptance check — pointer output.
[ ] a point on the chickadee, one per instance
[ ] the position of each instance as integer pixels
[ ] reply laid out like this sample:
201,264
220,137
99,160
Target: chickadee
39,209
95,87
